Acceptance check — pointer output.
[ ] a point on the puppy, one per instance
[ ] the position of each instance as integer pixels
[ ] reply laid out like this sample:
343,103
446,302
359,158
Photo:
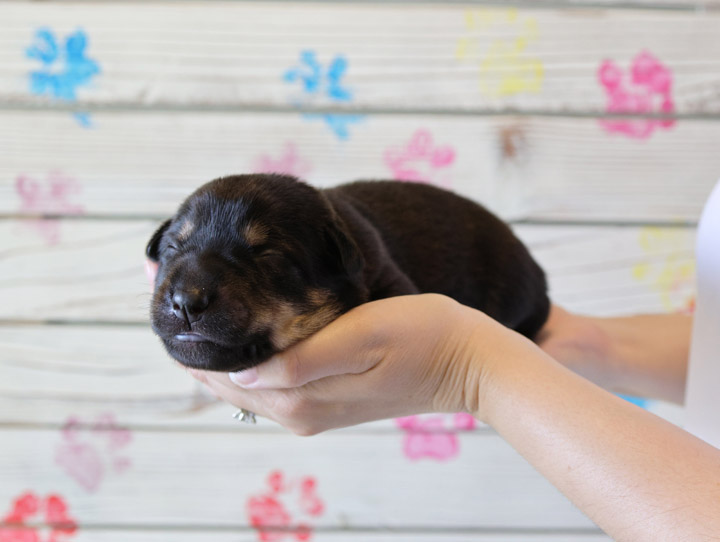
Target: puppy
252,264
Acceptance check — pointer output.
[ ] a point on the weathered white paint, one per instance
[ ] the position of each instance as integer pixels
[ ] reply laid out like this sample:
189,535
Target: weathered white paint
204,479
95,272
400,55
198,92
568,169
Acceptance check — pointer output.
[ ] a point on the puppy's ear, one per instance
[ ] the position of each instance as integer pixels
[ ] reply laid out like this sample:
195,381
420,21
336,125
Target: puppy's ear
153,247
341,245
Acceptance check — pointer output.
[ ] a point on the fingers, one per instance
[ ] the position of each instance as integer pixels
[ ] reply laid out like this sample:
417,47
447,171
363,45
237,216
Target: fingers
378,360
289,408
219,385
306,362
283,371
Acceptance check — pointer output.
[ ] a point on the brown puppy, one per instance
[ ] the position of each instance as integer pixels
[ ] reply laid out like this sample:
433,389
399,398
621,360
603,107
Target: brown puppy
252,264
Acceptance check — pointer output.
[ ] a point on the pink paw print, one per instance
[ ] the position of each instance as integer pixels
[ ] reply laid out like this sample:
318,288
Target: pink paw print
646,89
289,163
430,437
28,510
51,197
421,160
272,511
87,461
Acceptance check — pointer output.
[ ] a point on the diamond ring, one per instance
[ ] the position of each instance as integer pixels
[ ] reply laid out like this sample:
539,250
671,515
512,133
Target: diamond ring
244,415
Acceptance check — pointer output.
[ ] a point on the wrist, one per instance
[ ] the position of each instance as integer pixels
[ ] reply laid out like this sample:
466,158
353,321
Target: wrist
459,361
492,353
510,363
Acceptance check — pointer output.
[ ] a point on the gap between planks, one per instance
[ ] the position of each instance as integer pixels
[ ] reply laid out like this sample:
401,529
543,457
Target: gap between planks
160,107
525,221
402,530
263,428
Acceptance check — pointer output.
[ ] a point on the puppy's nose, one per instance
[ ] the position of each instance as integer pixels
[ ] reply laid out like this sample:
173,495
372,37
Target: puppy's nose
189,304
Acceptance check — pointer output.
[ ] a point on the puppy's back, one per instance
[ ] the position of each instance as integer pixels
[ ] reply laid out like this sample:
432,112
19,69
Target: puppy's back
450,245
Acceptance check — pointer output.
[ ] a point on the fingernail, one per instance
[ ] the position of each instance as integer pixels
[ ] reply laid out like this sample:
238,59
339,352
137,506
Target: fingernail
246,378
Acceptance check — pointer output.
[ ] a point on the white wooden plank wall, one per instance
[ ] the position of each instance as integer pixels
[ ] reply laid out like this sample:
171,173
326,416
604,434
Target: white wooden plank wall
592,125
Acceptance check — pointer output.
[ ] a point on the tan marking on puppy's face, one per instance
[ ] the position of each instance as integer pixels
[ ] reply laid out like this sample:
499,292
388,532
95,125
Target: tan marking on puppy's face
322,311
289,324
255,233
275,312
304,325
186,229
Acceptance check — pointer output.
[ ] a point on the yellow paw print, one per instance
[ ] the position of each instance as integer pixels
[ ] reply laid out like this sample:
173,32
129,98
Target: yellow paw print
669,268
505,67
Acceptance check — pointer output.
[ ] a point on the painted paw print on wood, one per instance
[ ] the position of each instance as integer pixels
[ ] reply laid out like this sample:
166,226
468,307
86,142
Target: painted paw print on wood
53,196
421,160
647,88
28,511
673,276
434,437
289,163
87,455
323,81
275,512
506,67
64,66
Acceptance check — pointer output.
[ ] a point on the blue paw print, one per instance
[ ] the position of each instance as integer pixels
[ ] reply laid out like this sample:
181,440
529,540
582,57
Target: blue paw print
317,80
63,67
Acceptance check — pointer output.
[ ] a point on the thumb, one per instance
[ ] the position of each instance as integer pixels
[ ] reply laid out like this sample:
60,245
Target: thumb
345,346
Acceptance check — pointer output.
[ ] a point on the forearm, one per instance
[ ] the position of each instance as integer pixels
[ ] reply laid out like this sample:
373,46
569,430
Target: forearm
637,476
649,354
644,355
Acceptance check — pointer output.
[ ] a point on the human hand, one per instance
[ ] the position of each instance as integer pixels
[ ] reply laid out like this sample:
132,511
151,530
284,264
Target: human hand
578,342
389,358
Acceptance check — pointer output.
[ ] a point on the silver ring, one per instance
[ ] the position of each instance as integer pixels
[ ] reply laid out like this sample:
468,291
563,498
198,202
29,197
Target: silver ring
244,415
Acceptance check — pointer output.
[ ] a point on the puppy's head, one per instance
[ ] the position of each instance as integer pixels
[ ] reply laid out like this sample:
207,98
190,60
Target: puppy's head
248,266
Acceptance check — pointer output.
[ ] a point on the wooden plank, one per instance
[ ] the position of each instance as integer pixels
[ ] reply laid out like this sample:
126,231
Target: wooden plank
83,534
616,270
207,480
557,536
90,274
141,164
53,373
577,171
49,373
94,272
398,55
651,4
